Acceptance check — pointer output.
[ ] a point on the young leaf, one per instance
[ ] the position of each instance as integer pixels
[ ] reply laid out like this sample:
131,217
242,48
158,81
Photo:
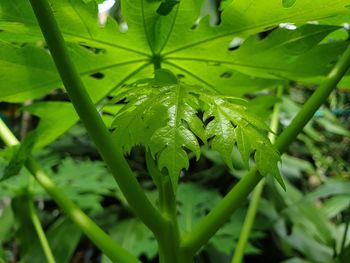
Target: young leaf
232,123
135,237
161,114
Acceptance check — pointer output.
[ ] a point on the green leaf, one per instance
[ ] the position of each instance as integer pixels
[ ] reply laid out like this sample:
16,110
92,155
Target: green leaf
25,68
63,248
279,54
25,232
6,223
312,234
194,202
135,237
58,232
53,122
19,157
233,123
198,55
85,182
163,117
150,35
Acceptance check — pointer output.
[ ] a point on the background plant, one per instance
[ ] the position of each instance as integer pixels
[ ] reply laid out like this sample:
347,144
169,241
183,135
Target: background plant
140,50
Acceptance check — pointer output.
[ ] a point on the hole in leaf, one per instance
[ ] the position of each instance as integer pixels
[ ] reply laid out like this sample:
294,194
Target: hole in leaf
97,75
266,32
166,7
207,121
121,101
235,43
226,75
93,49
180,76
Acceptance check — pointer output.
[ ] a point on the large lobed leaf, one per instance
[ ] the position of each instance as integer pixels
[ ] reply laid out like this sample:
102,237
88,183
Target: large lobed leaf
193,53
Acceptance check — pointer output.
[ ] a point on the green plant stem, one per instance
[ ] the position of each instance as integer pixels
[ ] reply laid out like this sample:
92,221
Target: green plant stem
248,223
254,202
6,135
40,232
110,151
208,226
169,239
107,245
314,102
104,242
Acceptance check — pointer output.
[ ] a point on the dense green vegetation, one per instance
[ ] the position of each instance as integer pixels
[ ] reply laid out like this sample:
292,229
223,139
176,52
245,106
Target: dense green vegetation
189,106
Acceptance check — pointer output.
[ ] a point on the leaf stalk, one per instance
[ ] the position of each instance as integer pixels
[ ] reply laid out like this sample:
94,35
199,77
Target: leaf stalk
104,242
110,151
256,196
40,233
208,226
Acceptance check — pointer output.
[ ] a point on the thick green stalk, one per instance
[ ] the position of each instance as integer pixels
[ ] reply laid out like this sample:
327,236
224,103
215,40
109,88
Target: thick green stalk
104,242
110,151
40,232
248,223
169,239
254,202
208,226
314,102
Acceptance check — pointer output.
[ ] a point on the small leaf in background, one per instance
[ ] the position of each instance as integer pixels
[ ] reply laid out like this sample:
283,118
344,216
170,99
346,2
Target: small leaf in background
135,237
6,222
30,247
225,240
194,202
62,247
86,183
19,157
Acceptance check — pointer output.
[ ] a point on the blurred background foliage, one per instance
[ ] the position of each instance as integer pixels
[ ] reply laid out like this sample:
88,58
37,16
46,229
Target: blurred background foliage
308,223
